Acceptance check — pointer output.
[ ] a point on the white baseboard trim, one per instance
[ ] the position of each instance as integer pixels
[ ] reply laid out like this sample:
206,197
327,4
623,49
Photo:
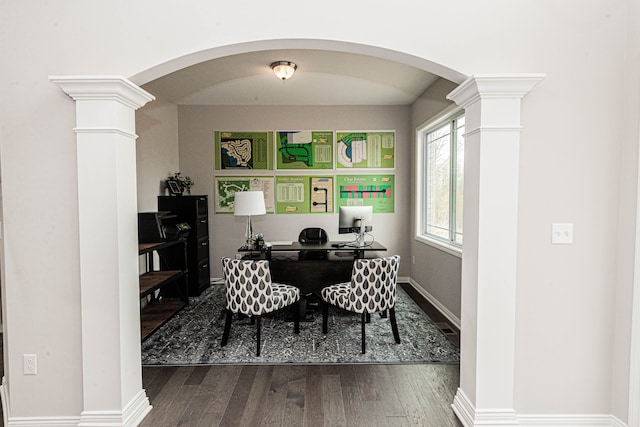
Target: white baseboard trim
4,398
470,417
569,421
455,321
43,422
10,421
131,416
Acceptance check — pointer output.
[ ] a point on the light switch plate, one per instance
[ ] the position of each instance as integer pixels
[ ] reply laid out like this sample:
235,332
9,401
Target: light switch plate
562,233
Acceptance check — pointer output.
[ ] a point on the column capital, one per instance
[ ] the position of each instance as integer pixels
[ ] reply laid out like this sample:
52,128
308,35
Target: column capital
114,88
494,86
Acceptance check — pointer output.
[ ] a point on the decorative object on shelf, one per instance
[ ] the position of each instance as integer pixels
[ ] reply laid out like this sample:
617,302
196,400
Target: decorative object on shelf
283,69
248,203
178,184
258,244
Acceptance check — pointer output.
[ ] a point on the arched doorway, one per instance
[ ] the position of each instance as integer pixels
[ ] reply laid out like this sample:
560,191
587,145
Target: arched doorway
492,104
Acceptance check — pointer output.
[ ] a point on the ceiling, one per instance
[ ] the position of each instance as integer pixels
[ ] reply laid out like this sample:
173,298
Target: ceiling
323,78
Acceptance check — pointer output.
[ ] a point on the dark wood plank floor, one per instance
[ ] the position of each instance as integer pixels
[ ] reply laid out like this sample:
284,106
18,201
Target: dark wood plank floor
302,395
307,395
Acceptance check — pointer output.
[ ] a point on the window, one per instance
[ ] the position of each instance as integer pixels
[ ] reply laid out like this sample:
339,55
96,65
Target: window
442,147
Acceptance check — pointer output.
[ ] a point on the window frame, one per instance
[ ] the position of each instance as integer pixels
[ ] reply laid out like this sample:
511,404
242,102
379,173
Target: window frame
447,115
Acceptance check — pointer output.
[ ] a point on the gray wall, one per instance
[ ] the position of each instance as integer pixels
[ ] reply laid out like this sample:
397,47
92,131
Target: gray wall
436,272
196,127
156,150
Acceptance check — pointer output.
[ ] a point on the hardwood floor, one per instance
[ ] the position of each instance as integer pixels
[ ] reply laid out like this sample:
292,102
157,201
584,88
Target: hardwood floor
307,395
302,395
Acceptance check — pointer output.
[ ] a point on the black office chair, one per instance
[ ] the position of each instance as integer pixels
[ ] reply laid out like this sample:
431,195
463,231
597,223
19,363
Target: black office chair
313,235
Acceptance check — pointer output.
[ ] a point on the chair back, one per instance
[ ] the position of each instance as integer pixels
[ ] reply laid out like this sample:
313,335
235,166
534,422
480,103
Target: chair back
248,284
313,235
373,284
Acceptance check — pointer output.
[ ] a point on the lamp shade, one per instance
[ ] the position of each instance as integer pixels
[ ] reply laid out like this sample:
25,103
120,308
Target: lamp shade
249,203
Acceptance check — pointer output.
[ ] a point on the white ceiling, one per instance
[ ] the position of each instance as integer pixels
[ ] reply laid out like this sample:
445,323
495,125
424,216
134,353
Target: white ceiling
322,78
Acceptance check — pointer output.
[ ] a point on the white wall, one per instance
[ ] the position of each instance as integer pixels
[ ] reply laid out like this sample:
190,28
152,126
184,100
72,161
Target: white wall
575,146
196,127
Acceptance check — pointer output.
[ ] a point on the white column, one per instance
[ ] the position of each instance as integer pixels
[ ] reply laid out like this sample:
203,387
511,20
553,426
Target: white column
107,204
492,114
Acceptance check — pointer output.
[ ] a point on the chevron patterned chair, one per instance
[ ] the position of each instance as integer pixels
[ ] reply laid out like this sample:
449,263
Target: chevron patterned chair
249,291
372,290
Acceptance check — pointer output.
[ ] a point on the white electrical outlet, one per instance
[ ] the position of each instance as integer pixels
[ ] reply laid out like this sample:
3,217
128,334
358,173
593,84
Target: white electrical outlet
30,364
561,233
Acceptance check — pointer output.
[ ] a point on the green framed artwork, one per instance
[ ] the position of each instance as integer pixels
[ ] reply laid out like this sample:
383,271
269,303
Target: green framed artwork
225,188
366,190
304,194
366,149
243,150
304,150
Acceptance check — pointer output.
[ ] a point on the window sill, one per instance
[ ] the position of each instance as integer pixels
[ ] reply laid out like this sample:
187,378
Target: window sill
443,246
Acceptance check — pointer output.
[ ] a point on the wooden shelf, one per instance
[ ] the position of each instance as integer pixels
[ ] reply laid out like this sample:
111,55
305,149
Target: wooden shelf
153,280
164,291
157,313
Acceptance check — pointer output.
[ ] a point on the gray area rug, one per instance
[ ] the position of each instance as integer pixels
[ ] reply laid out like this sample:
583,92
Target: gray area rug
193,336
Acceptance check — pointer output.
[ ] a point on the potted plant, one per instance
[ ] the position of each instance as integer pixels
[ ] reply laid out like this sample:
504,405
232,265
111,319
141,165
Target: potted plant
178,184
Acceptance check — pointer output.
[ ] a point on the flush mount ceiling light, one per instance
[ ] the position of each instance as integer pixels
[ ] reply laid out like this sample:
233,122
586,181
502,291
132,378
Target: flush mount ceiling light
283,69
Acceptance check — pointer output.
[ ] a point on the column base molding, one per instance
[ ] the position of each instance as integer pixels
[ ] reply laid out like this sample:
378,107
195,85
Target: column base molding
470,417
131,416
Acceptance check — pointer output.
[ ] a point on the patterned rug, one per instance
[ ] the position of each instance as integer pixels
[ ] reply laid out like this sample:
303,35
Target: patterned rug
193,336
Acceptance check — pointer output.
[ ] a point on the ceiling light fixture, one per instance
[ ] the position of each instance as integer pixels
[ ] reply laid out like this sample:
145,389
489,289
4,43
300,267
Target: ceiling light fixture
283,69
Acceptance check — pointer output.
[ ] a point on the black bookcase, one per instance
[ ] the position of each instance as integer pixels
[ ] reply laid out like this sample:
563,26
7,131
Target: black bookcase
195,211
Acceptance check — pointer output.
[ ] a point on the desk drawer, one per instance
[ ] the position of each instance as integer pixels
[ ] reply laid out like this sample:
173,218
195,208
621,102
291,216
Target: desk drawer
202,226
204,276
203,248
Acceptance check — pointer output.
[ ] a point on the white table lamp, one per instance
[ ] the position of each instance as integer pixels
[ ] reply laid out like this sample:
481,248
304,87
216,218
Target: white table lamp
249,203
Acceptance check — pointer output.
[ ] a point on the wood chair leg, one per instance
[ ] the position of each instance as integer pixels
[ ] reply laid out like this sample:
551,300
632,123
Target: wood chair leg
227,328
325,314
258,334
364,321
296,318
394,325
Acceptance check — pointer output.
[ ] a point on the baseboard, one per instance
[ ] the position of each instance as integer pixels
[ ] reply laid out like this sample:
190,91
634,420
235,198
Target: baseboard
4,398
132,415
43,422
470,417
569,421
30,421
455,321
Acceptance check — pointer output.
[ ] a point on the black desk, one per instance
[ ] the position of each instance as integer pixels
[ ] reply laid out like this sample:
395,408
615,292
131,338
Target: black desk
312,266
